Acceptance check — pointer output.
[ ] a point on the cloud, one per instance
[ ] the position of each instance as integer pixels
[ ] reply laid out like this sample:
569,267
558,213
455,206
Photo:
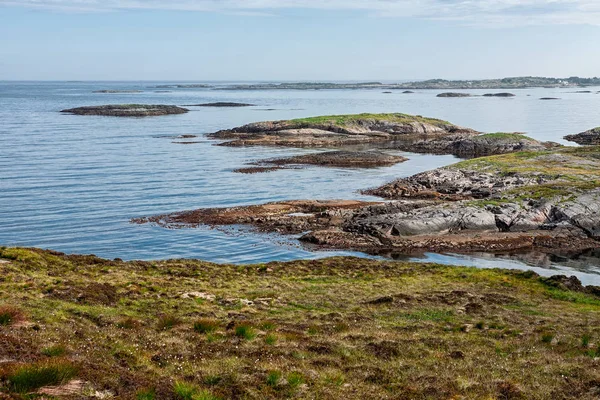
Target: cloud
477,12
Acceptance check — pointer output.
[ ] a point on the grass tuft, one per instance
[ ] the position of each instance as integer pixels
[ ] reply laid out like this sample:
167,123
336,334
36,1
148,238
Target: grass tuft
273,378
206,326
10,315
245,331
146,394
29,377
189,391
167,322
57,350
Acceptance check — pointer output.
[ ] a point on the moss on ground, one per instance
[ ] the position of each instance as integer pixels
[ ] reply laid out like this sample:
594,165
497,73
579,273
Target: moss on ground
327,329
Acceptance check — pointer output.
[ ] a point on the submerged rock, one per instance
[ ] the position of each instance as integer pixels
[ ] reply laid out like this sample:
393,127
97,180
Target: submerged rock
591,137
549,98
127,110
117,91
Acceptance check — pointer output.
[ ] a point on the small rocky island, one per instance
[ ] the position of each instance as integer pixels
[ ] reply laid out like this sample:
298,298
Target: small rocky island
587,138
391,131
127,110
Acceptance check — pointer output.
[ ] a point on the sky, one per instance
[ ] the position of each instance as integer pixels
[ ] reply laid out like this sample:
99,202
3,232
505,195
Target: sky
289,40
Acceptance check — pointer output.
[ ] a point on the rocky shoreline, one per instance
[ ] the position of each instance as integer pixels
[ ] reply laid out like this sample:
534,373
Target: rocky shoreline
587,138
544,201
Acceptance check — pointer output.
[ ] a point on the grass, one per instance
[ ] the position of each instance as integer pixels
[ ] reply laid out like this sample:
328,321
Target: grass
166,322
29,377
189,391
346,120
322,336
206,326
245,331
58,350
146,394
563,173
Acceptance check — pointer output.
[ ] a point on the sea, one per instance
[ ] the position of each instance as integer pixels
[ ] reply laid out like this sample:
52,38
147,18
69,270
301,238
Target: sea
73,183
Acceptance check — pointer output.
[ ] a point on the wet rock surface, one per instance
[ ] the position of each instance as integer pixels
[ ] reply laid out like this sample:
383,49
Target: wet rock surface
127,110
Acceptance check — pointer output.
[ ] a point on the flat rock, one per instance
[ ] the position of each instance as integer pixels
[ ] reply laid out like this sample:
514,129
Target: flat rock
346,159
503,94
127,110
453,94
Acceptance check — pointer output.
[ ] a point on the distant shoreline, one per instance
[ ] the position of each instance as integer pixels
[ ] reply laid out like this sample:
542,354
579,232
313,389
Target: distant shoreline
525,82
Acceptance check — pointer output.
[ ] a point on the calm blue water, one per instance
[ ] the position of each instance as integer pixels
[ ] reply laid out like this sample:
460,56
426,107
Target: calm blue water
72,183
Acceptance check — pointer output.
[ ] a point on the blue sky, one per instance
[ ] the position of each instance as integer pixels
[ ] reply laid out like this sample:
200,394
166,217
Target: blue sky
297,39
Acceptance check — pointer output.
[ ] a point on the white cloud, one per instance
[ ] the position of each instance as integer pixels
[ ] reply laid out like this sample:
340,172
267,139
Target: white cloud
479,12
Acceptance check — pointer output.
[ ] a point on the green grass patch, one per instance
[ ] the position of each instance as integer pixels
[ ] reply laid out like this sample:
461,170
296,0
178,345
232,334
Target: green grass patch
146,394
245,331
351,119
30,377
206,326
167,322
58,350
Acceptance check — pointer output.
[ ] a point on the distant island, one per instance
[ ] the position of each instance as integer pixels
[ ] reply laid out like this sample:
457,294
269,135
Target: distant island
442,84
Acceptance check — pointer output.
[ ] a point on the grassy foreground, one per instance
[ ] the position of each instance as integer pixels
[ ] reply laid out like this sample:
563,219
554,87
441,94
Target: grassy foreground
84,327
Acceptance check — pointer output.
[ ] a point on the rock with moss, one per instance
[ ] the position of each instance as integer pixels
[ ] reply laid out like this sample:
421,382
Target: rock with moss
475,145
339,130
591,137
127,110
